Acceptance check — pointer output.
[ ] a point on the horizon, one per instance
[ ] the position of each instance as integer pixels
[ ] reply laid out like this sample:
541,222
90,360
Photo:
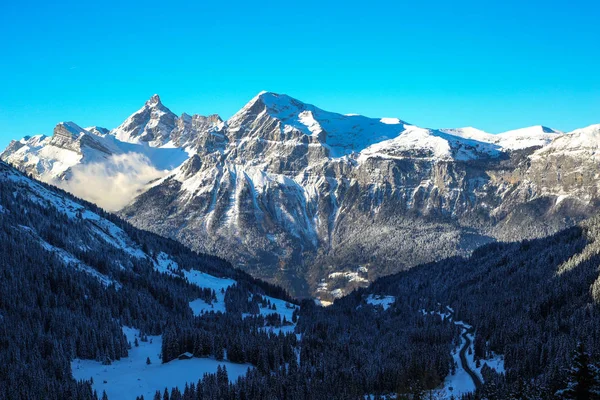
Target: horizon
492,67
226,118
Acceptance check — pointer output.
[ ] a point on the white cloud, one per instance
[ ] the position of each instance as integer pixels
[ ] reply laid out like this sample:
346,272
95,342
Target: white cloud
113,183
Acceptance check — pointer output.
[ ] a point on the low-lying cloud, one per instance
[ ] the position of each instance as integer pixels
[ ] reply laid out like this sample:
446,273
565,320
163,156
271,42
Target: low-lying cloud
112,183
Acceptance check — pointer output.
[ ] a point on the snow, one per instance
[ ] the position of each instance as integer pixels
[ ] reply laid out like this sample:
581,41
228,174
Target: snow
527,137
113,235
345,133
203,280
323,303
471,133
200,307
350,276
147,121
70,260
461,383
350,134
51,158
104,229
533,136
584,141
131,376
38,154
283,309
165,264
415,142
380,301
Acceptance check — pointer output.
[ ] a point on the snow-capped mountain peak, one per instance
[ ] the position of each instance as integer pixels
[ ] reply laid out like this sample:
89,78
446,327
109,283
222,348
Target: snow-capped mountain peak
152,124
69,128
338,134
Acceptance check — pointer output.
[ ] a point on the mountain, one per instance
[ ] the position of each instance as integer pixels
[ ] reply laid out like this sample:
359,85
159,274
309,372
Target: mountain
154,133
70,146
322,202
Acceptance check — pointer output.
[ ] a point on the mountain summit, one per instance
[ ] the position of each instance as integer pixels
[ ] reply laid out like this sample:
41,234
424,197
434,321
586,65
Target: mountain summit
151,124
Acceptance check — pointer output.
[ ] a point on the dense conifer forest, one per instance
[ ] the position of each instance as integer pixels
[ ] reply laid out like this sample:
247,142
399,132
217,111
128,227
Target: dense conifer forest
535,302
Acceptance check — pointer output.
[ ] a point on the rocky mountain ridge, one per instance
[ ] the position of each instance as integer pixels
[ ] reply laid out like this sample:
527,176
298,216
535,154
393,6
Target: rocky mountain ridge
323,202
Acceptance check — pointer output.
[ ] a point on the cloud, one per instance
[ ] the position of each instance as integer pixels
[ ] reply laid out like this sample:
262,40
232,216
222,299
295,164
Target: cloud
113,183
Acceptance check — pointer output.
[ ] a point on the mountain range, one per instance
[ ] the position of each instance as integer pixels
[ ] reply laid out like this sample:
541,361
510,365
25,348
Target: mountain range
316,201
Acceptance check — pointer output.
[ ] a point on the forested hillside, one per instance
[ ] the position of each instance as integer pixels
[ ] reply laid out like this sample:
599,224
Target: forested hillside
531,301
72,276
76,282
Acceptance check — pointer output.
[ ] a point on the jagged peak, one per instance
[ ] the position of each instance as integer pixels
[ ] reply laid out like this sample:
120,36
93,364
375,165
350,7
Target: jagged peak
154,101
277,105
191,166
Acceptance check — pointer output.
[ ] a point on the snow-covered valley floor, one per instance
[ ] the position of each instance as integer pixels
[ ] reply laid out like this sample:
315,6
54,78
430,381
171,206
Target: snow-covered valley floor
461,382
131,377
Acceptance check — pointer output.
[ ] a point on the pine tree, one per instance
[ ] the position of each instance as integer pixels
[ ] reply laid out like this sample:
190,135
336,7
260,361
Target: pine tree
582,382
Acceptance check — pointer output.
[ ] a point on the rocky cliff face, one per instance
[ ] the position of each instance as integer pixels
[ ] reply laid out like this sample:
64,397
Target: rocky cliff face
321,202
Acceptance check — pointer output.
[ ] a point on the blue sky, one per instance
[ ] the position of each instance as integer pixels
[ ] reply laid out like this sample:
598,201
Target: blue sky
493,65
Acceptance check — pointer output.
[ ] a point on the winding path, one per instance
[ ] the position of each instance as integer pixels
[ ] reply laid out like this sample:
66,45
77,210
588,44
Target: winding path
463,359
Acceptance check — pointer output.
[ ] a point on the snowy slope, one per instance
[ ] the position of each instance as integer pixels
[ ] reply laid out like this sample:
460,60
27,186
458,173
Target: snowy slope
584,142
343,134
86,240
347,134
415,142
49,158
533,136
131,377
98,227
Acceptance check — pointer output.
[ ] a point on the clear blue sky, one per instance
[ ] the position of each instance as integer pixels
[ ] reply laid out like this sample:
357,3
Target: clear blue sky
434,63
